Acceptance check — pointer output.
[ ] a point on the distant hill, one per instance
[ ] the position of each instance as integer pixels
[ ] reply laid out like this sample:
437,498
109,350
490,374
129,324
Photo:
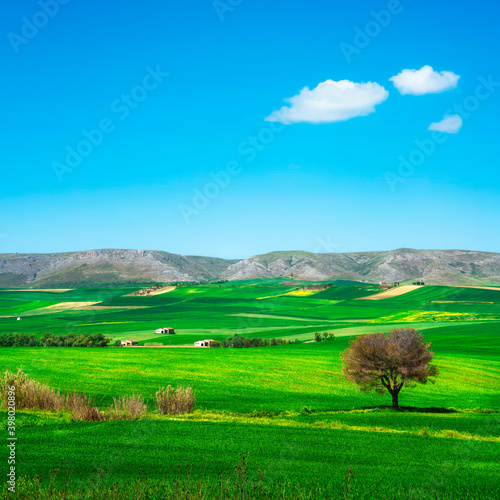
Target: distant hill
446,267
108,265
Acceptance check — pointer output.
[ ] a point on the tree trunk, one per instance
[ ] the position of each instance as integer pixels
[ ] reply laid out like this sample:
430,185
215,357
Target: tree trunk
395,395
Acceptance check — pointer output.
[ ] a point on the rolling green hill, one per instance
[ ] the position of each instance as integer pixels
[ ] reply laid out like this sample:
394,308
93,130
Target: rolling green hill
287,409
258,309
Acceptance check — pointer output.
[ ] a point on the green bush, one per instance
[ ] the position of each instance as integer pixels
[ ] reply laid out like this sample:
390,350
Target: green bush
51,340
19,340
238,341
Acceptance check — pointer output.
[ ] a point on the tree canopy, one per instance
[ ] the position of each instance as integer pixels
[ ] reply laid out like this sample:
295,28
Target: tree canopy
391,361
52,340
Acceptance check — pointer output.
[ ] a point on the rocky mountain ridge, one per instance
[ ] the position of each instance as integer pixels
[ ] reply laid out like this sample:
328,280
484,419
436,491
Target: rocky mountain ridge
447,267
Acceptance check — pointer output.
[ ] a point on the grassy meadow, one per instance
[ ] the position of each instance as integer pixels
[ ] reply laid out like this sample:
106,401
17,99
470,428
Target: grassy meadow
287,409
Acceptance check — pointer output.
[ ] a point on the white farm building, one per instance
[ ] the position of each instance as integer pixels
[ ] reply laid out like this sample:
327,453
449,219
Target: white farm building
204,343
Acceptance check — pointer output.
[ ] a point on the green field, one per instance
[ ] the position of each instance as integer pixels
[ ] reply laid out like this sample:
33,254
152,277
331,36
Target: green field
287,408
254,310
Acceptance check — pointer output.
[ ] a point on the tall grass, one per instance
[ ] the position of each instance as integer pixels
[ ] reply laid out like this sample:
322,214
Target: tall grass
83,407
128,408
233,483
30,393
180,400
33,394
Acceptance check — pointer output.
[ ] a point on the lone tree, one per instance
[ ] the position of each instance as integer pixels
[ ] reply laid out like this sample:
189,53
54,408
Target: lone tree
389,361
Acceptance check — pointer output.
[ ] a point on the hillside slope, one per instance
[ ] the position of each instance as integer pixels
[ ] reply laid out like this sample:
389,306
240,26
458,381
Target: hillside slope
447,267
107,265
453,267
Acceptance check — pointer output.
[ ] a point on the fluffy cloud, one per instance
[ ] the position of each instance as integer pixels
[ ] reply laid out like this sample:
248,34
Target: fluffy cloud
450,124
424,81
330,102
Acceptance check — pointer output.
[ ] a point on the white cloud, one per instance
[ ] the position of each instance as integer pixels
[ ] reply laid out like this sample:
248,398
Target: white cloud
451,124
330,102
424,81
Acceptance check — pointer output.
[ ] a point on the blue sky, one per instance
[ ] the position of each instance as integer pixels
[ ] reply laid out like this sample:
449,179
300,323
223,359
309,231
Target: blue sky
211,83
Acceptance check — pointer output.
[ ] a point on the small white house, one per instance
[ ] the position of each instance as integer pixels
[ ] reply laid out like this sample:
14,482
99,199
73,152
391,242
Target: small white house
129,342
204,343
20,318
166,330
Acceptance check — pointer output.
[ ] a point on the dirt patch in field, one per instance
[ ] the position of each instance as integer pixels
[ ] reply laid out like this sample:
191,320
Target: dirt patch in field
62,306
393,292
316,288
149,292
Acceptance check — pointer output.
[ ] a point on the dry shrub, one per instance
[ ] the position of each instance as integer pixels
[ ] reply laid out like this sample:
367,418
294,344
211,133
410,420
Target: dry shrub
128,408
83,407
30,393
180,400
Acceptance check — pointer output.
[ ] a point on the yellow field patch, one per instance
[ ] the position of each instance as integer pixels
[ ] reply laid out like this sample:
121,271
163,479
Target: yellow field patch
105,323
286,422
62,306
76,306
459,302
484,287
393,292
423,316
301,293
